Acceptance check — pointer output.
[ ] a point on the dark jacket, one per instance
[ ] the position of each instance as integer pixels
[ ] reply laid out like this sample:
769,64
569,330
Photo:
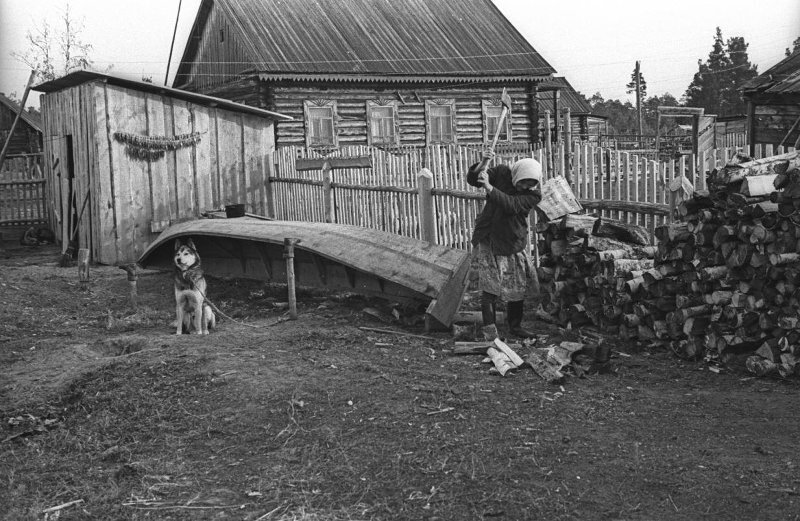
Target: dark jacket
503,222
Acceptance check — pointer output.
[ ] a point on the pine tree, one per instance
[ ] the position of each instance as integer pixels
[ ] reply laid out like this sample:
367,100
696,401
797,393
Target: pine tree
740,72
795,47
717,83
631,87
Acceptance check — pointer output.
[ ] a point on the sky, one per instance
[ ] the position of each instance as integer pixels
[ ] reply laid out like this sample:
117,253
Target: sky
593,43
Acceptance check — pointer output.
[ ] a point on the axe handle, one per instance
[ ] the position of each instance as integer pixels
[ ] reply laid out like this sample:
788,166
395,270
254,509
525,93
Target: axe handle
497,132
499,126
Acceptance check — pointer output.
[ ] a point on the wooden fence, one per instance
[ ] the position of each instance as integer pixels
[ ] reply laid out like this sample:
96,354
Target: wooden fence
422,192
22,191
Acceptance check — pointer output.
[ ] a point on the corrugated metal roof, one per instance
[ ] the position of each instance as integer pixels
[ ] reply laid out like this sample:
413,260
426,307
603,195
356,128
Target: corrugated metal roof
33,120
781,78
568,97
79,77
381,37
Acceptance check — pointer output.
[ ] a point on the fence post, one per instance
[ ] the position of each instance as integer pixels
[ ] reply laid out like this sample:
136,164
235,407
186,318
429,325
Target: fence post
270,190
548,143
427,223
567,145
327,194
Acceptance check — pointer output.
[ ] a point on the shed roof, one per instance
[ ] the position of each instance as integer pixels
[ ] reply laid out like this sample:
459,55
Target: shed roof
781,78
34,120
428,39
79,77
568,97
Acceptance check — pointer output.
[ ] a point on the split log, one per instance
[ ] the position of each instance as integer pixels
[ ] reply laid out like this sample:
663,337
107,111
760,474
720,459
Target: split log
501,361
770,165
506,349
758,185
475,348
630,233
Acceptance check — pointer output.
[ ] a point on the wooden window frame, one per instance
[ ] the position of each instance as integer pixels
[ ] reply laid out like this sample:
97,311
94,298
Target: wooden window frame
311,142
490,105
395,138
429,104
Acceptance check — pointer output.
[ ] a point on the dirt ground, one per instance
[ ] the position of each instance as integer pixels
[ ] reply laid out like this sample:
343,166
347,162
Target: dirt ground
107,414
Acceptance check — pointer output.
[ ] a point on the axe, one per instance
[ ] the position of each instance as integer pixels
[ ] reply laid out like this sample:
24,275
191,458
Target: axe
505,99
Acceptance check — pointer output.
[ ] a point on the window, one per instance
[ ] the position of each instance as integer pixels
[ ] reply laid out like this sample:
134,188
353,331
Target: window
491,117
320,123
382,123
440,116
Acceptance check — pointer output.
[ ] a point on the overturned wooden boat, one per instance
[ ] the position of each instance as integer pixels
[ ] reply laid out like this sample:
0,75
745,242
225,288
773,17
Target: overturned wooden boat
334,256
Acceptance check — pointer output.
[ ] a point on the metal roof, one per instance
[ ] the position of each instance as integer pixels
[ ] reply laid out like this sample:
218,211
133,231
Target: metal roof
34,120
365,38
79,77
568,97
781,78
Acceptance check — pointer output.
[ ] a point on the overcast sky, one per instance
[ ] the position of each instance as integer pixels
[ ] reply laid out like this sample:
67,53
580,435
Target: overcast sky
593,43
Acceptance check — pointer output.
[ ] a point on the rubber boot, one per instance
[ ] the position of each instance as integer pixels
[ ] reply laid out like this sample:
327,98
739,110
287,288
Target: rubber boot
515,311
489,315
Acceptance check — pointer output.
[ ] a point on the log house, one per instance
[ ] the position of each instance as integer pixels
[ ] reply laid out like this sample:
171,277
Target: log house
773,100
386,73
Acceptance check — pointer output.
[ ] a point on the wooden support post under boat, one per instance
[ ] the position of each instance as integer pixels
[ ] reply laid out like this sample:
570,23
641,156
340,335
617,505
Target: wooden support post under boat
131,270
83,266
288,254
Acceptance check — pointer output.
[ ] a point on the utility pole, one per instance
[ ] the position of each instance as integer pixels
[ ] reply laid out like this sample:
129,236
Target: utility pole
638,100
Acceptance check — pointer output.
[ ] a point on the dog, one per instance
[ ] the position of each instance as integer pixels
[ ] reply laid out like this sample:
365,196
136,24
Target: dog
193,313
36,235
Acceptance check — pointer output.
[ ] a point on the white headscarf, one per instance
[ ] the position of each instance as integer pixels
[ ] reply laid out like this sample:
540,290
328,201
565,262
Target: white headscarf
526,169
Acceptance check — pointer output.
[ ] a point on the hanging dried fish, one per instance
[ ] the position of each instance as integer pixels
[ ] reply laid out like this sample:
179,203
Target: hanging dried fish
150,148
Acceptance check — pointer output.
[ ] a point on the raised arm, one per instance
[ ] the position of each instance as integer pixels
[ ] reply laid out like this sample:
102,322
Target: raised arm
520,203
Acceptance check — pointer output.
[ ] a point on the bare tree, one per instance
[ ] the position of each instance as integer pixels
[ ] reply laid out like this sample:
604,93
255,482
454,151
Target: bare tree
72,52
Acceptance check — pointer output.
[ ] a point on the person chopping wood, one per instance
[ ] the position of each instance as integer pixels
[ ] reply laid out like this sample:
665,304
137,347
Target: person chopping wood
500,236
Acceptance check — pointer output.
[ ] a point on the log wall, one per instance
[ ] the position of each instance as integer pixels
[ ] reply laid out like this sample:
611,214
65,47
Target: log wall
351,106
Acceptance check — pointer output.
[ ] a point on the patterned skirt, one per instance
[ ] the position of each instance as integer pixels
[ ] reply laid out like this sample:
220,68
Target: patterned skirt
507,276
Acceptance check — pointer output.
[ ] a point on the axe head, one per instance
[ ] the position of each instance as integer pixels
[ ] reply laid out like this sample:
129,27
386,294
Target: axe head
505,99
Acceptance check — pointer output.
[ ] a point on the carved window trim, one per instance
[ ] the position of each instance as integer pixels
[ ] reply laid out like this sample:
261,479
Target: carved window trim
437,129
320,131
373,121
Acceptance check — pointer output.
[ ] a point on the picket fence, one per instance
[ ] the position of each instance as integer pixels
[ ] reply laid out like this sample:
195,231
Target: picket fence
22,191
395,193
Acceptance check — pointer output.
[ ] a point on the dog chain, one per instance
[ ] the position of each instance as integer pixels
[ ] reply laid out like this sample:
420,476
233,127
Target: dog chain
216,309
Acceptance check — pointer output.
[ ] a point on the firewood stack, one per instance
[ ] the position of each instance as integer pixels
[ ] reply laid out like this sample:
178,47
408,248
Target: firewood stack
731,267
590,267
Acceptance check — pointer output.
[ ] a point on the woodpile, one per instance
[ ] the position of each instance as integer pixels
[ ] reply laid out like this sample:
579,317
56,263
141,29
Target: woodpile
730,269
591,268
722,281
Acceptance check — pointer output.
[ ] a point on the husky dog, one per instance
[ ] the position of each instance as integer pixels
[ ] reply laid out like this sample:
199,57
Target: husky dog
192,311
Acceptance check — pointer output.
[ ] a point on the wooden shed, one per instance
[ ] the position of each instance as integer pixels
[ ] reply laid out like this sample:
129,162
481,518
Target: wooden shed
143,156
27,138
388,73
773,103
557,95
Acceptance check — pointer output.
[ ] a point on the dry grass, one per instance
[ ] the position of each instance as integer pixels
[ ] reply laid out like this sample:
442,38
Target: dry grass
317,419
